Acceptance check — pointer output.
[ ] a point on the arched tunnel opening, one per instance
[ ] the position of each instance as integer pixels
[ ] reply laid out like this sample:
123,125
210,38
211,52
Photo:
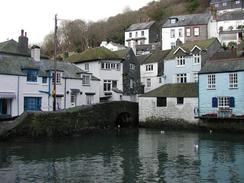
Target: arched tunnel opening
125,120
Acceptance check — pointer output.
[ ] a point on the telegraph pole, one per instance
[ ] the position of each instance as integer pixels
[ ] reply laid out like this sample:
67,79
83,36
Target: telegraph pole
55,64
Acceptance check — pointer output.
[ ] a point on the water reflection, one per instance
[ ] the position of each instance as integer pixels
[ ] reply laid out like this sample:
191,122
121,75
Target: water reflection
130,156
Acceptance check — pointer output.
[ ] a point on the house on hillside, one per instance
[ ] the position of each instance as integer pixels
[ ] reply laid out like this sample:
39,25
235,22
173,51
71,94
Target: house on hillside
184,62
152,70
131,73
27,82
230,27
108,67
142,34
176,101
112,46
223,6
221,87
185,28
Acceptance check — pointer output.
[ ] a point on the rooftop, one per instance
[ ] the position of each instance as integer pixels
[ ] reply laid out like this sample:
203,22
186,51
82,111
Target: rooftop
174,90
185,20
140,26
93,54
156,57
232,15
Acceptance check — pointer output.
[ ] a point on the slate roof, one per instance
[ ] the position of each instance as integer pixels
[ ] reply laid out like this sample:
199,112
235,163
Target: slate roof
174,90
93,54
233,15
156,57
218,1
141,58
15,65
187,20
140,26
188,46
122,53
226,61
11,46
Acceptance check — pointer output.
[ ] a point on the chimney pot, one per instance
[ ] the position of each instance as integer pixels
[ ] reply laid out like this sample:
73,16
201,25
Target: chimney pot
22,32
25,34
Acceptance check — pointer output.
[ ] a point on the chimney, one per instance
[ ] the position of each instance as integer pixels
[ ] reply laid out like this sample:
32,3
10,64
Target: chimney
23,43
35,53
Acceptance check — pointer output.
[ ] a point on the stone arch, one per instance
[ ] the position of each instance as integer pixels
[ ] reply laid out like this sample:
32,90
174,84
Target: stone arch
124,120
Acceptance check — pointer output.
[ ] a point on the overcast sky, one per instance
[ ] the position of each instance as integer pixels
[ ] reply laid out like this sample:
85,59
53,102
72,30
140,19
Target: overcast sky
37,17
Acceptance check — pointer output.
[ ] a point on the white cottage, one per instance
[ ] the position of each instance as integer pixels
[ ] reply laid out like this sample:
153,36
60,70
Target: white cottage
27,83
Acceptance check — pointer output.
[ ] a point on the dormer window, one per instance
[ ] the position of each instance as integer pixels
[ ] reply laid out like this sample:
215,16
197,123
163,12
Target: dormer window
142,33
180,60
197,58
173,20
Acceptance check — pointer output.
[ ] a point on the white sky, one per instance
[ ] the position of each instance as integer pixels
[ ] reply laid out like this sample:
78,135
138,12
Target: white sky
37,17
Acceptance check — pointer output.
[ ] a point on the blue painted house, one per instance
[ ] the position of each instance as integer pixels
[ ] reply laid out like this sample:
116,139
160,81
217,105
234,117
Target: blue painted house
221,87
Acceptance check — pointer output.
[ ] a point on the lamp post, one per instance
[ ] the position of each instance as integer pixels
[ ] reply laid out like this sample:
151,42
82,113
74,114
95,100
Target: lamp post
54,78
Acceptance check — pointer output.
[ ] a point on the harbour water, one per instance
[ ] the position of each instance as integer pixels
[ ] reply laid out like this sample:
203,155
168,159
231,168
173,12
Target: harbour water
126,156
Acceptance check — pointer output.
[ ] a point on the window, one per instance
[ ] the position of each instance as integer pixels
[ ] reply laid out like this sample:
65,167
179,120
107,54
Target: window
32,103
44,80
108,66
142,42
224,4
172,33
180,32
130,34
31,75
160,80
181,78
197,58
102,65
233,80
136,34
216,5
85,80
180,100
87,67
142,33
148,82
196,31
114,84
211,81
132,66
89,99
188,32
161,102
109,84
223,102
173,20
73,98
117,67
180,60
58,78
173,45
149,67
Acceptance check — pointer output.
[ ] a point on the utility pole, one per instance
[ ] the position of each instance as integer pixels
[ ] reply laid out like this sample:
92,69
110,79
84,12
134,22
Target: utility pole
54,78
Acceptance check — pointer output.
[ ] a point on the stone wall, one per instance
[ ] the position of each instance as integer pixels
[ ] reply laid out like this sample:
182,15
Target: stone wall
75,120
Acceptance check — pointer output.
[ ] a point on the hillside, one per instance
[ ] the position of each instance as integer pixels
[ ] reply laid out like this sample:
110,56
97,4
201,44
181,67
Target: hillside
112,29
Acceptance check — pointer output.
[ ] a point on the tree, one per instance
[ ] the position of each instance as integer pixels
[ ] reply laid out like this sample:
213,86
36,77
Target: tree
192,5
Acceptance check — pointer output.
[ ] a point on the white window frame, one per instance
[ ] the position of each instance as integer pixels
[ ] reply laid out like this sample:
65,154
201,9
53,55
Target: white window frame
197,58
180,32
107,85
87,66
173,45
181,61
233,80
223,102
224,4
86,79
142,33
237,2
58,78
149,67
132,66
196,31
73,98
172,33
172,20
211,81
131,83
181,78
130,34
89,99
188,32
195,77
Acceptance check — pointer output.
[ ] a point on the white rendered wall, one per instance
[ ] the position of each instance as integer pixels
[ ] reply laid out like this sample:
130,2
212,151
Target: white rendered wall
148,109
127,36
167,40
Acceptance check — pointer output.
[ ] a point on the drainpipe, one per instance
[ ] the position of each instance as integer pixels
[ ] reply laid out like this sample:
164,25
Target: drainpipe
64,93
18,96
49,89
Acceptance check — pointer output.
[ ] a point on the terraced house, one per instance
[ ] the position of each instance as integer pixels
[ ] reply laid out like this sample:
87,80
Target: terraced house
178,98
223,6
109,68
185,28
27,81
221,86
